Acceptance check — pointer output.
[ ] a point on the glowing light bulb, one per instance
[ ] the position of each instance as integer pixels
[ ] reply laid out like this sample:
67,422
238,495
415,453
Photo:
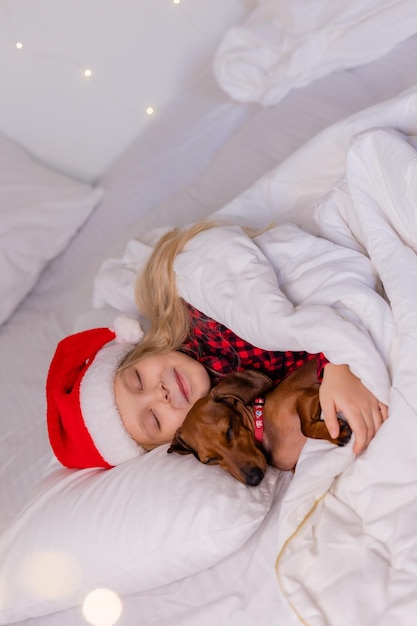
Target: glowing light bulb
150,111
19,45
51,574
176,1
88,73
102,607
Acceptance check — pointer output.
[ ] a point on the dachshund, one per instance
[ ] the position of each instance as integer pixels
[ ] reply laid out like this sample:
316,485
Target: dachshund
220,428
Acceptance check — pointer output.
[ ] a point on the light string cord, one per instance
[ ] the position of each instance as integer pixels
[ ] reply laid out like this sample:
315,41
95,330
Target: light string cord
86,72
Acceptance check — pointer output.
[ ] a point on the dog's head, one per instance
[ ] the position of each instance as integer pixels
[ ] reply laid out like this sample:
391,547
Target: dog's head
218,429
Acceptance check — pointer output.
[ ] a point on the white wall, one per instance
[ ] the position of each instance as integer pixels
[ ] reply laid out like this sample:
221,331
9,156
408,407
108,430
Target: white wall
141,53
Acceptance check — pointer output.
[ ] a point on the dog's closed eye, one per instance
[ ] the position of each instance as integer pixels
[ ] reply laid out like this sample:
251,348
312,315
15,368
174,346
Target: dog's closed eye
212,461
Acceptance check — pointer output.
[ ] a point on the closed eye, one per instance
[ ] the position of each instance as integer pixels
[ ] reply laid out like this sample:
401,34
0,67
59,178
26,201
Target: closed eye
138,380
211,461
156,420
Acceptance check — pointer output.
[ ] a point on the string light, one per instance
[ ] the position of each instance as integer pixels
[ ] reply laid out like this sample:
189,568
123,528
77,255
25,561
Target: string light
102,607
51,574
86,72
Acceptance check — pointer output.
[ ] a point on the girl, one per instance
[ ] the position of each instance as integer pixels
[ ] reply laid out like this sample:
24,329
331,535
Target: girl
177,326
110,402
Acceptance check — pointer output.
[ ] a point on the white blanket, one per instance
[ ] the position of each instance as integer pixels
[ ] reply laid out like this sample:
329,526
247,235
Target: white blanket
360,534
344,285
285,44
347,535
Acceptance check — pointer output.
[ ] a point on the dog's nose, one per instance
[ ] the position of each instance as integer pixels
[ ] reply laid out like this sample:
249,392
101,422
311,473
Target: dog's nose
253,476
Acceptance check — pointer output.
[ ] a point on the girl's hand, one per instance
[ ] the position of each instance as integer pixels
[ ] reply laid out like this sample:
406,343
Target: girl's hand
341,391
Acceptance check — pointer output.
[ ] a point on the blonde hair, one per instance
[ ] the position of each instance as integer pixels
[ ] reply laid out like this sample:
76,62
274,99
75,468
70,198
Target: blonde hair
157,296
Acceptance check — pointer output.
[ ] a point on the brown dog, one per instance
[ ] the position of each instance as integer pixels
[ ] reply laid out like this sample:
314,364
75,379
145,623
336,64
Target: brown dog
220,428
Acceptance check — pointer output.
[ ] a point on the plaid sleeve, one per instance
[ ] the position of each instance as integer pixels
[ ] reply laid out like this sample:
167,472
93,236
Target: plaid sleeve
321,363
222,352
293,360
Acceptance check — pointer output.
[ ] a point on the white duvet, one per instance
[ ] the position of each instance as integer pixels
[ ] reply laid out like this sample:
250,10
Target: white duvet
337,274
285,44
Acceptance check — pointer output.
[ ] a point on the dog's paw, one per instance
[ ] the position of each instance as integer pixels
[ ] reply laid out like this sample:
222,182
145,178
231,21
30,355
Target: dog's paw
344,434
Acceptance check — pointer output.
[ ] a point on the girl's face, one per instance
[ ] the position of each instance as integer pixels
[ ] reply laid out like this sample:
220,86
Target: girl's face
154,395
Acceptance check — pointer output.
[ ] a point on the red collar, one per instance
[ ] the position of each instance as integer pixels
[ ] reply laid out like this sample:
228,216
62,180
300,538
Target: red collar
258,411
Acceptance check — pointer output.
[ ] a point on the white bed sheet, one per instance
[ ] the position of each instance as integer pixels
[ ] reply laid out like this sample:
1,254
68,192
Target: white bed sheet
198,158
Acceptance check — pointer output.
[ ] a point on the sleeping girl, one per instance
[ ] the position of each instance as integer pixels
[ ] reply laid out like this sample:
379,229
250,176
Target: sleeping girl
115,394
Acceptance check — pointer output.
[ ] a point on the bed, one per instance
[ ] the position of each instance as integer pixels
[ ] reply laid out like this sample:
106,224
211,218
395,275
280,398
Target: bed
308,120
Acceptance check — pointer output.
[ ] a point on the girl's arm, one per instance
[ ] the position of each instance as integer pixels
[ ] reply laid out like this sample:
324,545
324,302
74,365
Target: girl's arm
341,391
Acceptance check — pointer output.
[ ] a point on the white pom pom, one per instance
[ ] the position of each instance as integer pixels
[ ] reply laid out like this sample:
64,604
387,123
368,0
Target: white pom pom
127,329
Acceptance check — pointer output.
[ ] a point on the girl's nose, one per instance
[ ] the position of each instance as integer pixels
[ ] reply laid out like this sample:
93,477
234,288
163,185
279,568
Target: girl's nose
163,393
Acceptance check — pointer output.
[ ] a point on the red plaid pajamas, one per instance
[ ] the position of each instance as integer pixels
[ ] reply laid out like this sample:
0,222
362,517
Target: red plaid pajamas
222,352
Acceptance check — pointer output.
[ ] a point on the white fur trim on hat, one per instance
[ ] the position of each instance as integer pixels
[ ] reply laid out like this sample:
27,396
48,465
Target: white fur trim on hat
98,406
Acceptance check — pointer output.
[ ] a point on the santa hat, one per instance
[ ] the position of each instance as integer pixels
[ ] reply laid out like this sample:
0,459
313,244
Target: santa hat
84,426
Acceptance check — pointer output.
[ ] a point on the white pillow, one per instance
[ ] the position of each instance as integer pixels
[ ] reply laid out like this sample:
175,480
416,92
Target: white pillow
140,525
40,211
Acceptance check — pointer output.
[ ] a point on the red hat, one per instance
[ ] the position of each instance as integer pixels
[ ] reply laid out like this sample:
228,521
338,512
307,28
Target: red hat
84,425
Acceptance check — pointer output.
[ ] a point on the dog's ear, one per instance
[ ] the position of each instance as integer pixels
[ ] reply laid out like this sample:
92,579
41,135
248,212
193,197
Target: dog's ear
177,445
245,386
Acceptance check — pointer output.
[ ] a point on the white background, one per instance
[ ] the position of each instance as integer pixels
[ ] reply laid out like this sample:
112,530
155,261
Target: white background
141,53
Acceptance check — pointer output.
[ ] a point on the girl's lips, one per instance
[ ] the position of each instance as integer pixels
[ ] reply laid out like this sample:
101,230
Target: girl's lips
182,385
